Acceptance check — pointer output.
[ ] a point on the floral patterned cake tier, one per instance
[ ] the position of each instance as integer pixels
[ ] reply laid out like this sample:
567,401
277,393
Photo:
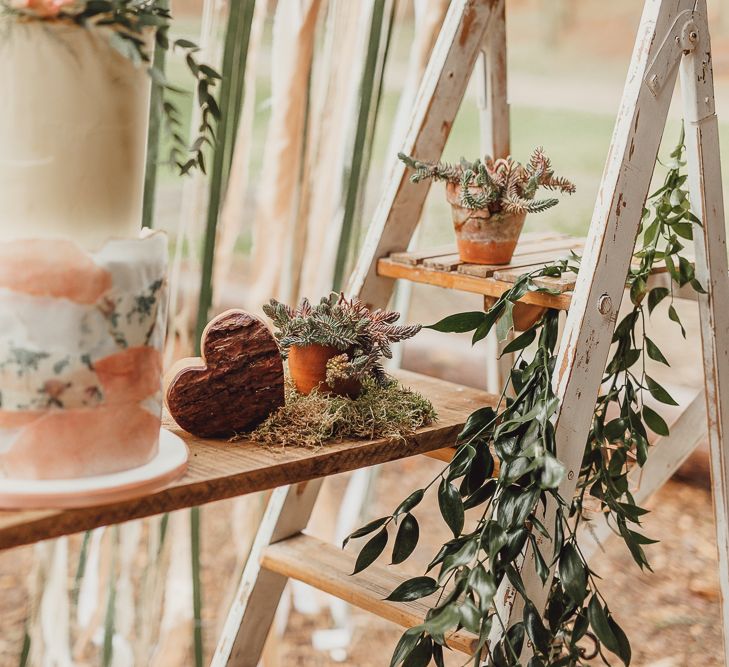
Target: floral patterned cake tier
81,336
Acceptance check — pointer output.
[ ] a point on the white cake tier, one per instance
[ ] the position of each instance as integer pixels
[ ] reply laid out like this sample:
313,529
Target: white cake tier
81,336
73,126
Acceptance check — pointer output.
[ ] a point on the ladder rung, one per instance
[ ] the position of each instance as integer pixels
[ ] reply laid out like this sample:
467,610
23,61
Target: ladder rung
327,568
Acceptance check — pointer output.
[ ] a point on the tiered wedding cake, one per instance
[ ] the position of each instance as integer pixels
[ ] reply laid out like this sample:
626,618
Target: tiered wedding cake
82,294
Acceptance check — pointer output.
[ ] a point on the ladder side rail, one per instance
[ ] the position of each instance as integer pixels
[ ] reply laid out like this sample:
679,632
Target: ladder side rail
440,95
494,123
600,283
257,597
491,73
705,189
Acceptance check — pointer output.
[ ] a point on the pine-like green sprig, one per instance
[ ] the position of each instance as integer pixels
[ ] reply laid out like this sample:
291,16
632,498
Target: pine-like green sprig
364,336
502,185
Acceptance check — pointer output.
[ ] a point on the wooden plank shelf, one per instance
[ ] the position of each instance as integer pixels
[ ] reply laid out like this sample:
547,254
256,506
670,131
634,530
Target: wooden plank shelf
219,469
328,568
442,267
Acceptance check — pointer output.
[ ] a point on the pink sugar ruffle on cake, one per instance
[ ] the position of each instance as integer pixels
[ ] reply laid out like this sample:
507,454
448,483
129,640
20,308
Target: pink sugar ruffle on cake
52,268
86,399
77,442
63,444
131,375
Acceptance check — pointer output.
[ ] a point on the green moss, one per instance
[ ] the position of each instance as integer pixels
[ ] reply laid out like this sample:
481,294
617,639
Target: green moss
388,411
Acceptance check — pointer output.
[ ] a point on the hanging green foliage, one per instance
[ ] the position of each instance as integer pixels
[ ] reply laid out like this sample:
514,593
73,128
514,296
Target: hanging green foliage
235,52
519,433
369,102
136,29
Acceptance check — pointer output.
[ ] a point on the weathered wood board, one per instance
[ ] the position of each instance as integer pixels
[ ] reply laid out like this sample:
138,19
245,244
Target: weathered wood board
220,469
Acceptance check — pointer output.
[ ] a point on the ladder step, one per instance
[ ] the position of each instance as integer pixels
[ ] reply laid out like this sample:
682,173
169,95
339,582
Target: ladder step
327,568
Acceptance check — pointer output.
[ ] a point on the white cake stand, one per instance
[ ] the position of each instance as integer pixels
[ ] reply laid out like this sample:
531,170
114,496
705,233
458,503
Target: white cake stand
169,465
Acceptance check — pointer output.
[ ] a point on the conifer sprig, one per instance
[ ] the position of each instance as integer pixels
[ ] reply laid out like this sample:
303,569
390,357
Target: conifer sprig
499,186
364,336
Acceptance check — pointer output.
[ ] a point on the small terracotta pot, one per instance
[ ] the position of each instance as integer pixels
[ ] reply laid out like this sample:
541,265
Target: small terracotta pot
524,315
483,238
308,368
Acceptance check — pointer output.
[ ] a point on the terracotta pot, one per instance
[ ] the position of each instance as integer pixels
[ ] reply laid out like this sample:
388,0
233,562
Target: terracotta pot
308,368
483,238
524,315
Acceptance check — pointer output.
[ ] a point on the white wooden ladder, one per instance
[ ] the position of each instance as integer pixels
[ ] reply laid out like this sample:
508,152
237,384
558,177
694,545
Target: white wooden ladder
673,36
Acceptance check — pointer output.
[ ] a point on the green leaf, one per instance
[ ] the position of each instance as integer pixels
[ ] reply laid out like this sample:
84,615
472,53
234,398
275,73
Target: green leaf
451,507
637,290
650,233
406,539
438,655
406,644
658,392
371,527
654,421
413,589
462,557
459,323
655,296
443,620
614,430
470,616
413,500
185,44
481,495
624,651
684,229
476,422
553,472
460,462
673,316
421,654
572,573
599,622
654,352
535,628
505,323
539,562
520,342
496,538
371,551
483,583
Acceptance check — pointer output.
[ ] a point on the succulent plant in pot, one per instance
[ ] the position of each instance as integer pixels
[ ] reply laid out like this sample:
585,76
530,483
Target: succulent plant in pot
490,200
333,345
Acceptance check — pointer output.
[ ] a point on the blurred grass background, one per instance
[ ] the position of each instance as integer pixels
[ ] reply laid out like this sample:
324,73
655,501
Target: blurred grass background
566,78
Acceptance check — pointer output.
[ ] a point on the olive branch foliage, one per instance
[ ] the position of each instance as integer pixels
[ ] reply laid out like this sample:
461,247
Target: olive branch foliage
130,22
509,506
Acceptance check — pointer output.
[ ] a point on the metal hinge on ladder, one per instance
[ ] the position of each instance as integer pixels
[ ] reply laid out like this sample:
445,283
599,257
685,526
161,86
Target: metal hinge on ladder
681,39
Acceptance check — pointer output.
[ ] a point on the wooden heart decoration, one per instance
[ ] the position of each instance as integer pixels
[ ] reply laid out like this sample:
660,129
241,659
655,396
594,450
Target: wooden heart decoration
236,384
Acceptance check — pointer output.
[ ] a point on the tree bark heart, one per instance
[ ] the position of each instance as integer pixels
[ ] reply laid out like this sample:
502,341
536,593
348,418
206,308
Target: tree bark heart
236,384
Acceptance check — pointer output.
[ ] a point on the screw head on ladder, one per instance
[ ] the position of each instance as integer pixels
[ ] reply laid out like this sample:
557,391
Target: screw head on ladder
689,36
605,304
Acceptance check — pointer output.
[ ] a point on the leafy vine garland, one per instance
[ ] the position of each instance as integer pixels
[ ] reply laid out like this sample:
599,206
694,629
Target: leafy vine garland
518,437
